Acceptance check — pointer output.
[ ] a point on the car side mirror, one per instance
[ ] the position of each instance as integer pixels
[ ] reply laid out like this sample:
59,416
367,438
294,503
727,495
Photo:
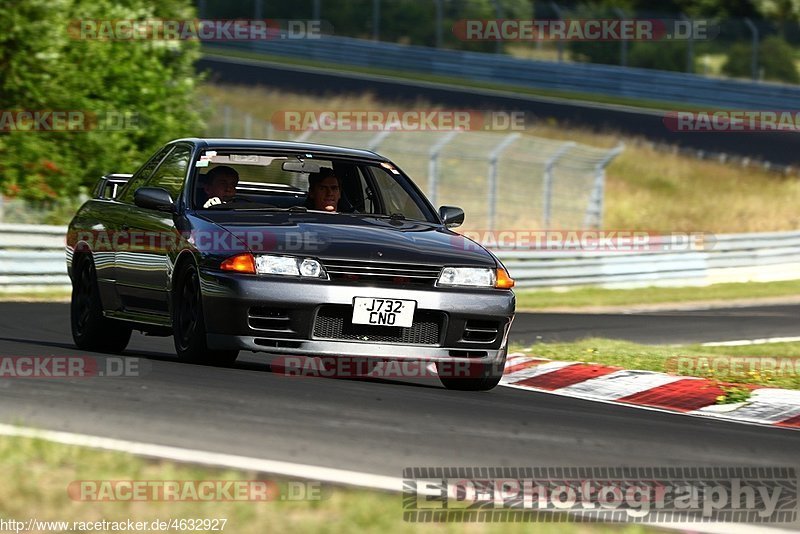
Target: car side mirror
451,216
154,198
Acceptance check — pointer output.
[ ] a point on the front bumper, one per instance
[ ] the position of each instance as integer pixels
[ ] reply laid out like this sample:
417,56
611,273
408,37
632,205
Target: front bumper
465,325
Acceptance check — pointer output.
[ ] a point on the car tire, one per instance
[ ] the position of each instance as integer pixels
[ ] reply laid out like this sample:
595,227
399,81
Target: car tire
188,323
482,377
91,330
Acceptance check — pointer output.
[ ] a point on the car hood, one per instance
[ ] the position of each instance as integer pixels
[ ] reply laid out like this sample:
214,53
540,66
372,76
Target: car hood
341,236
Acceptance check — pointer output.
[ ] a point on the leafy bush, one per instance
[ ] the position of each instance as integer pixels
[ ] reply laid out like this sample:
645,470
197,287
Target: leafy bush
664,55
607,53
775,57
44,67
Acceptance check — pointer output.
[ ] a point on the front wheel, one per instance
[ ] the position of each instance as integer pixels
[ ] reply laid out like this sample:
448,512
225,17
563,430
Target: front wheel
474,377
91,330
189,329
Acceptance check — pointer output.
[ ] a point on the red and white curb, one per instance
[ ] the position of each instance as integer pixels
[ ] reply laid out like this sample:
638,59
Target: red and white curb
651,390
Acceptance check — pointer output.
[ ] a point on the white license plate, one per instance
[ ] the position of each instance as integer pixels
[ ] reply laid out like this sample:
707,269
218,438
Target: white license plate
383,312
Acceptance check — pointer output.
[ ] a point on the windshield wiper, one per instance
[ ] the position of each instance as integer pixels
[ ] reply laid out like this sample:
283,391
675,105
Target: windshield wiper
293,209
394,216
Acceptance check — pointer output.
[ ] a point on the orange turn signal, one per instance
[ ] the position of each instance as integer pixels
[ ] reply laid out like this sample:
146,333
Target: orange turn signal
242,263
503,280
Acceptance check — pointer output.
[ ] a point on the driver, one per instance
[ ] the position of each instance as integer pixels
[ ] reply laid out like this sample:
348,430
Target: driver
324,190
219,185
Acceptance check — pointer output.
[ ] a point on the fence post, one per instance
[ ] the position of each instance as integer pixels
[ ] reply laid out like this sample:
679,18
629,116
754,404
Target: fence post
494,156
303,137
248,126
375,142
594,211
499,13
559,43
547,185
623,49
433,163
689,45
226,117
754,57
439,17
376,20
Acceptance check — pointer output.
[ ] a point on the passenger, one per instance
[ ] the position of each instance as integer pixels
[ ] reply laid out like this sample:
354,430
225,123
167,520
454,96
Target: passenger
218,185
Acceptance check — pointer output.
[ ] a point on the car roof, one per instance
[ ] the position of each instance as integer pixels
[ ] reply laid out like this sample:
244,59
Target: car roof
264,144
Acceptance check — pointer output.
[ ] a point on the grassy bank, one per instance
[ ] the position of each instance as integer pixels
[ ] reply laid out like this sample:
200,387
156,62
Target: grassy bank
585,297
646,189
37,474
688,360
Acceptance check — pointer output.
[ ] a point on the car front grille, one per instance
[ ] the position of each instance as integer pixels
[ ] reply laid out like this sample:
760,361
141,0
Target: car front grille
369,272
333,322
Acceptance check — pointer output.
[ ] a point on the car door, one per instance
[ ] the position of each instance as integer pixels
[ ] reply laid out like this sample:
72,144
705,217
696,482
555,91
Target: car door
143,269
111,231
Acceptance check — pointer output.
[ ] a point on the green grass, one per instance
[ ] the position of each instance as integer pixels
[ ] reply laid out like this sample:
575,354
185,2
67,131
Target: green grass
45,295
713,362
37,474
461,82
594,296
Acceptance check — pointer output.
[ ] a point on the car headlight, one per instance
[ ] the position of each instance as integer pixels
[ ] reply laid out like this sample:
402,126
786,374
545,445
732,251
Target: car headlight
467,276
289,266
475,277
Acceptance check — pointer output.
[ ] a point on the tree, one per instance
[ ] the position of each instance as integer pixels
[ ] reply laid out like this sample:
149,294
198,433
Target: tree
46,66
775,57
664,55
783,12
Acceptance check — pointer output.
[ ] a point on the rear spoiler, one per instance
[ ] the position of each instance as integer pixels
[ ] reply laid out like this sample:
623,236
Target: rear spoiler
110,185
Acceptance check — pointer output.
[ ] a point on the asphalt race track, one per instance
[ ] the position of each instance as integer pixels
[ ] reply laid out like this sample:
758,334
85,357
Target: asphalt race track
368,426
663,327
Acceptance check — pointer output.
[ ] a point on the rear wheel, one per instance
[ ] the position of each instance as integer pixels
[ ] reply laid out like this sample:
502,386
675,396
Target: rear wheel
90,329
188,324
479,376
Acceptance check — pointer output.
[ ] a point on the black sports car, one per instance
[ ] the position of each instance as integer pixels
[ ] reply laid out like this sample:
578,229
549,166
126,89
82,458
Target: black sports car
286,248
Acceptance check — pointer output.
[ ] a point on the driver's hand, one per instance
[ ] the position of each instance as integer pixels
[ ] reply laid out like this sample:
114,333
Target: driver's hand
213,201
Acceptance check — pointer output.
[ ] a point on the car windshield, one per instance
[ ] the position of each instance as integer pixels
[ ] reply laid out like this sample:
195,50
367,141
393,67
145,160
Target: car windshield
242,181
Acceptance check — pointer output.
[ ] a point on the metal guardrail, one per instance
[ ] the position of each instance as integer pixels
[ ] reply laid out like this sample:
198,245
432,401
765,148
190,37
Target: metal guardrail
646,84
32,257
756,257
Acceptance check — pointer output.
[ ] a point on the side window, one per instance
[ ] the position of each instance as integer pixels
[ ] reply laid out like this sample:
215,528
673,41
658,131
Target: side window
171,175
141,177
395,198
